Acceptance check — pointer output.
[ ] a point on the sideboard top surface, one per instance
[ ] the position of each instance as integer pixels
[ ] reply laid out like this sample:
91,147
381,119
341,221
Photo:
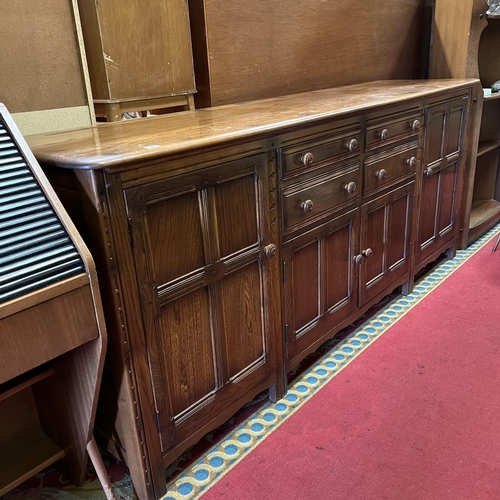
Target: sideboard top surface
132,141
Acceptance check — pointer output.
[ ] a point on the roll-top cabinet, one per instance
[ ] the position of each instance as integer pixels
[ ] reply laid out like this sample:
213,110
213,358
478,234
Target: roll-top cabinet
440,189
202,247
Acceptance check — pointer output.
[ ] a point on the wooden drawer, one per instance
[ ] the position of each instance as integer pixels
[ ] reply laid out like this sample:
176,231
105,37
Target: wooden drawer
313,154
382,169
316,197
392,129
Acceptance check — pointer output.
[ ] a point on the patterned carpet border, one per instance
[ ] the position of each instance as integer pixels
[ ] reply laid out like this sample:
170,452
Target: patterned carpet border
214,464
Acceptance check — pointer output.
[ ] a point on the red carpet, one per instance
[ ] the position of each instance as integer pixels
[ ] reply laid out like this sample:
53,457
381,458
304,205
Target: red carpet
415,416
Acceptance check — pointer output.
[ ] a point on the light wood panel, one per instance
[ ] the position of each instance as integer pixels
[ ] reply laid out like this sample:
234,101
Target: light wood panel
254,49
39,61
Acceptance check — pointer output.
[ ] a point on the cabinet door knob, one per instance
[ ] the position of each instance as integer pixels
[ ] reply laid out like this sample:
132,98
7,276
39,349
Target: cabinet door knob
367,253
351,187
411,162
270,250
307,159
384,135
415,125
381,174
429,171
352,145
358,259
307,206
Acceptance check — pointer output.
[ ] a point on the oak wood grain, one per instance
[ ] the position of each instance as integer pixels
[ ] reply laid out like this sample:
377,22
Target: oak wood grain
125,143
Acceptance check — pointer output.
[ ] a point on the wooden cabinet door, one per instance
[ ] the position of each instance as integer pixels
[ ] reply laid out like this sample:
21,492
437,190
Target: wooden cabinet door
385,241
439,198
320,285
201,243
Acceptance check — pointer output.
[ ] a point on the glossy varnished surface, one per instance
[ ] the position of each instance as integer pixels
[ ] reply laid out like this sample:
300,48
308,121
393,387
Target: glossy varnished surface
140,140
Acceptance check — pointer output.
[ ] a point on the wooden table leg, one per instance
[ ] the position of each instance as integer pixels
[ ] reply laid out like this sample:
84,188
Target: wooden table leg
98,464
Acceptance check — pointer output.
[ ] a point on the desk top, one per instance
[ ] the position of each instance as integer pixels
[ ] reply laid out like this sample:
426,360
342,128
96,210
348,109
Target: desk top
131,141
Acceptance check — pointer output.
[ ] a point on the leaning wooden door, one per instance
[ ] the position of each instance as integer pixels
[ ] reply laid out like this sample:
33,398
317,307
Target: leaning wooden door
202,249
440,177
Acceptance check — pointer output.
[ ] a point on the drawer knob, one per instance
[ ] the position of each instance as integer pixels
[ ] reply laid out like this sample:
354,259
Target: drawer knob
367,253
270,250
429,172
381,174
352,145
351,187
307,206
415,125
358,259
411,162
384,135
307,159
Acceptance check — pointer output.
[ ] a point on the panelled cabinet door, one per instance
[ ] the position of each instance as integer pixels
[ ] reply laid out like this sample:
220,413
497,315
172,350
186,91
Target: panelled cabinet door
385,241
440,176
320,286
202,250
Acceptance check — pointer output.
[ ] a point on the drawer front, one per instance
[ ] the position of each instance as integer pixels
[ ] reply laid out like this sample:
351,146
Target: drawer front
313,199
308,156
389,131
381,170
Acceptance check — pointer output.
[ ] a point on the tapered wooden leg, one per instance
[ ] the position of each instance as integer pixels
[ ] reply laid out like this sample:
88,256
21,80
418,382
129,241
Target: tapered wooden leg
98,464
495,246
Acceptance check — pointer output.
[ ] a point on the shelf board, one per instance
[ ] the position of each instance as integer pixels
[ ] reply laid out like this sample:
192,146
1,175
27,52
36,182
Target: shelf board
482,211
487,146
21,460
492,97
493,16
24,381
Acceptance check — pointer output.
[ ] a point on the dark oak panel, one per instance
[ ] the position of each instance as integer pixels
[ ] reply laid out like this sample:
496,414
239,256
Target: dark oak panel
170,219
188,353
242,315
236,223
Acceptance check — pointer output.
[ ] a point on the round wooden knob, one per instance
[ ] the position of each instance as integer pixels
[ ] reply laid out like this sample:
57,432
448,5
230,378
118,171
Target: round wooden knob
411,162
358,259
415,125
352,145
270,250
381,174
384,135
307,159
367,253
307,206
351,187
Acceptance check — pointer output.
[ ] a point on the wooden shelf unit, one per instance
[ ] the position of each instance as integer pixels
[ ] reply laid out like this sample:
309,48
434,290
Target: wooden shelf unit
25,449
465,43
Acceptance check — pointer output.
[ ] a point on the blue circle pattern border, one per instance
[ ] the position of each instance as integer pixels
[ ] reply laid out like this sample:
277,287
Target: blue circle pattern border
215,463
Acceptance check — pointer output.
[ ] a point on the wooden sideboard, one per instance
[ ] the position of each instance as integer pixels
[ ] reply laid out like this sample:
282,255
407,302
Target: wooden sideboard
232,241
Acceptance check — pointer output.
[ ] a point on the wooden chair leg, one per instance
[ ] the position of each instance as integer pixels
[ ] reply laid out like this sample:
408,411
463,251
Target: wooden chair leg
98,464
497,242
